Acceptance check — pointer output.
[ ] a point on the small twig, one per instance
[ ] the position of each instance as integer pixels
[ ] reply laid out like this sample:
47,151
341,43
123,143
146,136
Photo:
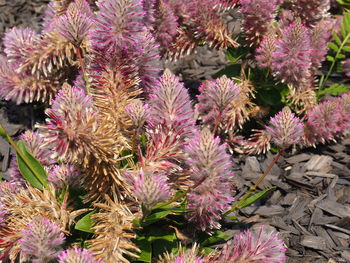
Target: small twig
253,188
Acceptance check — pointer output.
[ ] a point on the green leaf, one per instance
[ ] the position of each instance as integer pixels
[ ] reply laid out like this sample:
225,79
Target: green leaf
330,58
146,249
333,46
217,236
154,217
335,90
230,71
207,250
85,223
346,48
337,39
33,172
340,56
256,197
235,54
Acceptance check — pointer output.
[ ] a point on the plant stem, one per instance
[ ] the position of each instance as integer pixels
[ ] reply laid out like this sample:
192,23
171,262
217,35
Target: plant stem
334,61
238,205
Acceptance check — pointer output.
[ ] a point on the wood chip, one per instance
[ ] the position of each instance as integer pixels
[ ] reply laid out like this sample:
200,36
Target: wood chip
314,242
318,162
334,208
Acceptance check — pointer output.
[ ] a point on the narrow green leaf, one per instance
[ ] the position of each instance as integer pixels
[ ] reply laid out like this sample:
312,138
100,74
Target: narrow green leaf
154,217
207,250
346,21
146,249
256,197
33,172
330,58
3,132
85,223
333,46
337,39
346,48
343,31
340,56
216,237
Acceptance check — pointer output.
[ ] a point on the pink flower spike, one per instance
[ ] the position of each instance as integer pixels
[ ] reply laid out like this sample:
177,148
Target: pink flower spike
211,169
42,240
262,246
285,128
76,255
149,188
291,60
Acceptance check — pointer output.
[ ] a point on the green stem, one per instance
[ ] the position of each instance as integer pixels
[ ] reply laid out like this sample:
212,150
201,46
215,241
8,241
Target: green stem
4,134
238,205
333,63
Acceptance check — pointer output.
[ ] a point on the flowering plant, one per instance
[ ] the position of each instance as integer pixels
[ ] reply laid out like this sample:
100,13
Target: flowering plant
126,167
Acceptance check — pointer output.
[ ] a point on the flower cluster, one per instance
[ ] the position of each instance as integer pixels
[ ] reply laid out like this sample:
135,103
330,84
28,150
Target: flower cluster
211,174
41,241
285,128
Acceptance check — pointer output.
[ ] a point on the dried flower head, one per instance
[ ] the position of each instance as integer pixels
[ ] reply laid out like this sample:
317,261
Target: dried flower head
291,61
259,142
211,171
258,17
262,246
285,128
113,232
41,240
76,255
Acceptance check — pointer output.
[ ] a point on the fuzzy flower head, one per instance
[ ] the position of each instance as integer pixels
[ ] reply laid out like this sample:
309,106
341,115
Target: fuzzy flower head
262,246
71,122
18,43
64,175
138,112
75,24
291,61
76,255
265,50
189,256
215,99
285,128
42,240
258,16
117,25
165,27
311,10
170,104
328,120
211,170
149,188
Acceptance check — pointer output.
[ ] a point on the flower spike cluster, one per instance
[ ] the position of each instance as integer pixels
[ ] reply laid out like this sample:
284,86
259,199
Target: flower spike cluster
258,17
41,241
261,246
311,10
285,128
211,169
291,59
149,188
76,255
328,120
